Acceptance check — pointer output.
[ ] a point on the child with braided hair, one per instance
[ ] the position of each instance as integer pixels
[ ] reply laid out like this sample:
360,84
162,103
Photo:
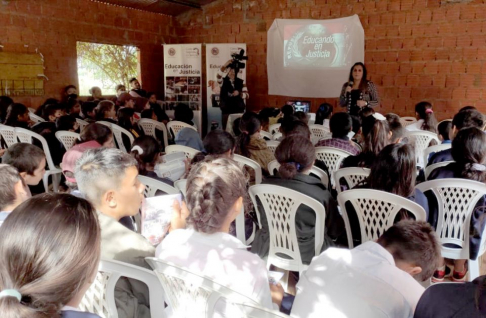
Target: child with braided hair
216,194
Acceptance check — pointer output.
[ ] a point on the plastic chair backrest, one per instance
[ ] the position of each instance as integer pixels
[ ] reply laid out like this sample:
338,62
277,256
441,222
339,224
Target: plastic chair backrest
254,311
280,206
67,138
100,297
152,186
431,149
244,161
189,294
405,121
332,157
421,140
428,170
376,211
106,123
118,133
8,135
276,136
273,129
149,126
25,135
457,199
188,151
35,118
82,123
311,117
319,132
352,176
272,145
175,126
266,134
318,172
181,185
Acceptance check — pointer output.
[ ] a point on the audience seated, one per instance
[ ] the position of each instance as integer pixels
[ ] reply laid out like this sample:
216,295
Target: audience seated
70,91
375,279
67,123
205,247
295,127
287,111
425,118
13,190
157,108
96,94
107,178
88,110
340,125
136,90
126,120
463,119
376,134
187,136
29,160
302,117
146,150
250,144
444,131
296,156
396,128
97,132
47,272
469,153
17,116
40,110
217,144
73,107
5,102
120,89
52,112
453,300
106,111
324,112
68,164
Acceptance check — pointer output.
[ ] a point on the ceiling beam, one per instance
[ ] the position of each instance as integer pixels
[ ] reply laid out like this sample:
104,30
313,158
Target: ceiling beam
183,3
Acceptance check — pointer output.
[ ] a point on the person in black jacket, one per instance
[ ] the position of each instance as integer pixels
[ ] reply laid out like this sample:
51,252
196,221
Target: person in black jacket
296,156
233,92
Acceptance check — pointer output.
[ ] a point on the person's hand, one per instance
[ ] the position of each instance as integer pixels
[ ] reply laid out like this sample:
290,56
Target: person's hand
187,165
147,106
277,292
2,152
236,93
361,103
179,216
348,89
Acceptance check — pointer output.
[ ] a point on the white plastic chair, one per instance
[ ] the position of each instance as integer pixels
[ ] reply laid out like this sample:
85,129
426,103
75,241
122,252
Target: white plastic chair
188,151
189,294
431,149
8,135
25,135
457,199
35,118
106,123
181,185
318,172
333,159
319,132
152,186
118,133
82,123
272,145
428,170
244,161
352,176
405,121
376,211
273,129
280,205
421,140
255,311
100,297
31,110
67,138
175,126
311,118
149,126
276,136
266,134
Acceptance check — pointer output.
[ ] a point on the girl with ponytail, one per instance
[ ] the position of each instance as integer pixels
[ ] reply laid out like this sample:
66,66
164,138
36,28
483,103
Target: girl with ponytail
469,154
425,118
146,150
296,156
249,144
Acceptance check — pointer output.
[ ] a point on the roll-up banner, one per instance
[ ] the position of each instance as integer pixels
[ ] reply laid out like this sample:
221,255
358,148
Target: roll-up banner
183,78
216,56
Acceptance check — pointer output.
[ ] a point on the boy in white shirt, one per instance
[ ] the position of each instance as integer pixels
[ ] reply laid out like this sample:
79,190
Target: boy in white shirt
375,279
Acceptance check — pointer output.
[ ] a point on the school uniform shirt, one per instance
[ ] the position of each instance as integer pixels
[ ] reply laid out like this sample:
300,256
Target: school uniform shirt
3,216
340,143
71,312
416,126
121,244
222,258
441,156
260,153
362,282
190,138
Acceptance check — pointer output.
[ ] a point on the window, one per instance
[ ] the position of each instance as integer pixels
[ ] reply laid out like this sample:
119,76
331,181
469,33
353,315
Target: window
106,66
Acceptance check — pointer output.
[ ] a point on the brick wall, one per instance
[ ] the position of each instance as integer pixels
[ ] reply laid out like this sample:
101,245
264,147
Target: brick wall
52,27
415,49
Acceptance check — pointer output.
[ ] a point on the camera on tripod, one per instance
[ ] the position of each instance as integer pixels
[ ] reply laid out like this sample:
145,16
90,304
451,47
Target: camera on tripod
237,63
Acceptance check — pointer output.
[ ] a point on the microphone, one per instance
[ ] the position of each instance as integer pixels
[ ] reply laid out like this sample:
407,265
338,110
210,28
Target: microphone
350,83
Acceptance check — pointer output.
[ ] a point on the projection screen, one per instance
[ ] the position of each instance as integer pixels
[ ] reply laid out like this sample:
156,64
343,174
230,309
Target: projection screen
312,58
